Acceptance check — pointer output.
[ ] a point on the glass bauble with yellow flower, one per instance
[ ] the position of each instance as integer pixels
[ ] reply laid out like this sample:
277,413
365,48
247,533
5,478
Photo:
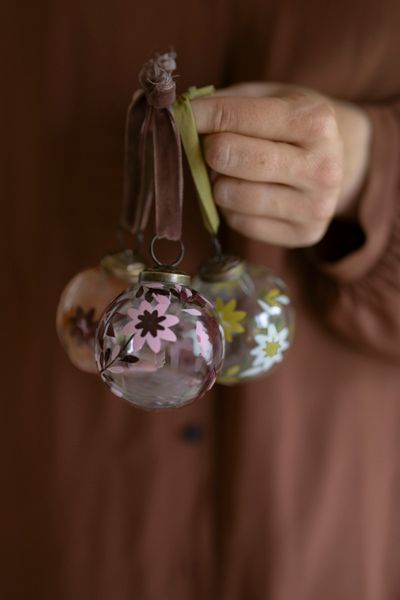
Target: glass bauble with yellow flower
255,312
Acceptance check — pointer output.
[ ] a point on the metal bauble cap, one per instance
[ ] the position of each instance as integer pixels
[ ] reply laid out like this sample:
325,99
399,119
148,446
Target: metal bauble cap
164,274
124,264
222,267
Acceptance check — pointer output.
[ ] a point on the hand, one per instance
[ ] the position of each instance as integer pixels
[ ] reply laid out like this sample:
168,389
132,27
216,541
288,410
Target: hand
286,159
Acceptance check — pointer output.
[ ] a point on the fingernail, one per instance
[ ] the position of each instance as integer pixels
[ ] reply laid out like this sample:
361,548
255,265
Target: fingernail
221,193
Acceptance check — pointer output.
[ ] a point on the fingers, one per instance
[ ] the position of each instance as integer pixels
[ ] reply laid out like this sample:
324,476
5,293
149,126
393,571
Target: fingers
295,118
258,199
278,157
272,201
274,231
256,160
255,117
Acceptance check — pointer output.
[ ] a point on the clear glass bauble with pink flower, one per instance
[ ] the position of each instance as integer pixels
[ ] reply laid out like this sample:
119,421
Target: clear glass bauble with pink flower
159,344
255,312
83,302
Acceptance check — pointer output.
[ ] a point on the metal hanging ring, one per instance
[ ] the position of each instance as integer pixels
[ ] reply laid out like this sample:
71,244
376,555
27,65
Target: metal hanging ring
216,244
161,264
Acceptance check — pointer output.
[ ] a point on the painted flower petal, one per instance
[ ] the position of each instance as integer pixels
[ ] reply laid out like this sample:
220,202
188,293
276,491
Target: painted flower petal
231,305
237,327
267,362
115,352
133,313
154,343
185,290
272,331
138,342
266,307
167,335
203,340
155,286
170,321
260,361
162,305
129,328
192,311
229,317
251,372
162,300
116,369
283,299
144,305
283,334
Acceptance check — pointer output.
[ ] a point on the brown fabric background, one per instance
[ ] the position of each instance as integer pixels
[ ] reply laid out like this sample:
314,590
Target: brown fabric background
284,489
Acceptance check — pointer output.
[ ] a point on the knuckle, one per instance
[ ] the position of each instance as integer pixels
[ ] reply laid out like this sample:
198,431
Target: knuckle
319,122
328,172
325,171
222,116
322,207
217,151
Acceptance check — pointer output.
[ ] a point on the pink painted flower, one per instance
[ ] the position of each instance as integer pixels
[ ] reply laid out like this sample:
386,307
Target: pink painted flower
155,286
150,325
192,311
203,341
184,292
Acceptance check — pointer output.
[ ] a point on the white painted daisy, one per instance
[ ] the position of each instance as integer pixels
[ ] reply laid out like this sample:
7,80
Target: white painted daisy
269,350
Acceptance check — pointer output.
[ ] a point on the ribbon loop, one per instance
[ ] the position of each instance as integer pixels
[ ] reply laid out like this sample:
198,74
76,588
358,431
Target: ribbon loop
153,158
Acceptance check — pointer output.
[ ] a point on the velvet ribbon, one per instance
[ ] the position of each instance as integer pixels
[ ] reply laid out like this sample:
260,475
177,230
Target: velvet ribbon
153,156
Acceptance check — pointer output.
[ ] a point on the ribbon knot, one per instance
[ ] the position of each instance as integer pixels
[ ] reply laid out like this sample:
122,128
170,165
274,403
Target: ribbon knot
161,98
157,82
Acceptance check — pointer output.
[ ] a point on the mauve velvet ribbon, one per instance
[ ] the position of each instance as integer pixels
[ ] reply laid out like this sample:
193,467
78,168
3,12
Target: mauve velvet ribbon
153,156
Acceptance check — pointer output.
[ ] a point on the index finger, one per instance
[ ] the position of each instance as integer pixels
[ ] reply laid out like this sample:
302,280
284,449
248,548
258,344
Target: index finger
281,119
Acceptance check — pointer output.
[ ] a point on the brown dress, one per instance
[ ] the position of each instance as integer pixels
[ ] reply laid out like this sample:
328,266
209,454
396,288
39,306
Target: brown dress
285,489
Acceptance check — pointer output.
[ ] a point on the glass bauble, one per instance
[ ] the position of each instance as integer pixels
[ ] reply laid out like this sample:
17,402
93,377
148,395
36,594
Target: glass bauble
159,344
255,312
83,302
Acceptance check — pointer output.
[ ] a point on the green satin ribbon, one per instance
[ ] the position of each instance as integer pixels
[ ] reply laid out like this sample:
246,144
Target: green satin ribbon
185,122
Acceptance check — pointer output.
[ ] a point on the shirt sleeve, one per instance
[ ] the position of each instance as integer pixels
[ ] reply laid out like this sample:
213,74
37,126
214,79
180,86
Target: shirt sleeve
359,287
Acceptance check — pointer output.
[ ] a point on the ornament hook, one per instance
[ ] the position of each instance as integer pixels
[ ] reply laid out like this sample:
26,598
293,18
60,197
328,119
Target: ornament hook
158,262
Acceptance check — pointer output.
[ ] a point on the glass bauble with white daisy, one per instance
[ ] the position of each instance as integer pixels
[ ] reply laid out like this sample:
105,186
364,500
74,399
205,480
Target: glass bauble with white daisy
159,344
255,312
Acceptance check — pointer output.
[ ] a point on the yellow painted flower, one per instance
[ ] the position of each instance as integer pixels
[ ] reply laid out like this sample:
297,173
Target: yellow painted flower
229,318
229,375
275,297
